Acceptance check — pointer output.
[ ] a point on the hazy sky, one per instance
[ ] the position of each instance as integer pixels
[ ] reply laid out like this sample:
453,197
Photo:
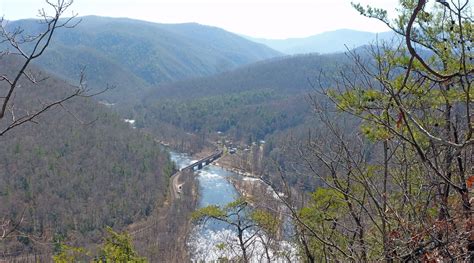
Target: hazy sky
258,18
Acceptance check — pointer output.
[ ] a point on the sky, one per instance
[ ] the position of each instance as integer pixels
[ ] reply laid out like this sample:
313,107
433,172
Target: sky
277,19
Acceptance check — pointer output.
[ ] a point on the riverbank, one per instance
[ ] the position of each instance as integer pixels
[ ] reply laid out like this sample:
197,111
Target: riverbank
163,237
229,162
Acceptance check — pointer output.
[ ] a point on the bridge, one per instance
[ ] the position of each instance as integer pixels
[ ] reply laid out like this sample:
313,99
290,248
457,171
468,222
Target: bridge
204,161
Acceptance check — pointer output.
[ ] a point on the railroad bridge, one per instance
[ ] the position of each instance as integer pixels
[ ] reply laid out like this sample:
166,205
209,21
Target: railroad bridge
204,161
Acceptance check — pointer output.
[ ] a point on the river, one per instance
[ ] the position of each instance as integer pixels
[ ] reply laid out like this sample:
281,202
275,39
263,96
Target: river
214,189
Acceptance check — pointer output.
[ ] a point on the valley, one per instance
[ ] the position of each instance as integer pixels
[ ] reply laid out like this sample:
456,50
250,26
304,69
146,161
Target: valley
129,140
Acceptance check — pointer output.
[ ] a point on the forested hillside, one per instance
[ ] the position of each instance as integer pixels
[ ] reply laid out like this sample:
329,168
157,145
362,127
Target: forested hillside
247,103
133,54
75,170
363,156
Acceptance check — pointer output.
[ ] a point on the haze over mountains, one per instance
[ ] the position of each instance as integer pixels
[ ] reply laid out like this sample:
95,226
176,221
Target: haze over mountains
327,42
134,55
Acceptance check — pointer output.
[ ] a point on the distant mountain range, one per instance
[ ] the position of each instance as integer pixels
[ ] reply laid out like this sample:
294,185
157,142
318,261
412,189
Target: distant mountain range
327,42
134,55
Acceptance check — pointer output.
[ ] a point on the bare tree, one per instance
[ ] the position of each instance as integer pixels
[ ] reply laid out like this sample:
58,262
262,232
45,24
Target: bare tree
29,47
233,214
397,182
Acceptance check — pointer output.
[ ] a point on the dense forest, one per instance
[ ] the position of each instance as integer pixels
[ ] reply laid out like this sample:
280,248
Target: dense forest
247,104
79,169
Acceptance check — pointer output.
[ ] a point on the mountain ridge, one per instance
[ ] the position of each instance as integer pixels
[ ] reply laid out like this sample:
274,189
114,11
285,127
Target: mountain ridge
153,52
325,42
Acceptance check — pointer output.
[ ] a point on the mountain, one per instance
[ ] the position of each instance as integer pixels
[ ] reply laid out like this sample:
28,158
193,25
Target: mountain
247,103
134,55
73,172
327,42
